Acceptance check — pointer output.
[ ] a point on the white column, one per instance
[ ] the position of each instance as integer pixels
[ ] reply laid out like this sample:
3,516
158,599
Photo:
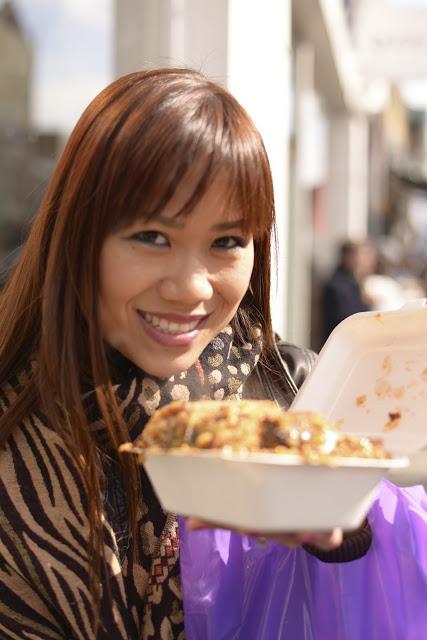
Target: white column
259,75
358,176
348,194
244,44
303,181
136,31
157,33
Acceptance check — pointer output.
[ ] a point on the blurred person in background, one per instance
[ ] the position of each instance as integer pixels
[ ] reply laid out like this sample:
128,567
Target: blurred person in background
343,292
395,280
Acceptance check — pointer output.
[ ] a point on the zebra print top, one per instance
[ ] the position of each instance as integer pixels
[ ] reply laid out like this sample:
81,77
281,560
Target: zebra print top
44,564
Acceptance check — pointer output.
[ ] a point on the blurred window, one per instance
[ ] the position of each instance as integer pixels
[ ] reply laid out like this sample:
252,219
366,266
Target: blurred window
55,55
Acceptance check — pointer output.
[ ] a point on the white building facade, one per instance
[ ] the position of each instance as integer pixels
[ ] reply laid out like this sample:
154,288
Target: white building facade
291,65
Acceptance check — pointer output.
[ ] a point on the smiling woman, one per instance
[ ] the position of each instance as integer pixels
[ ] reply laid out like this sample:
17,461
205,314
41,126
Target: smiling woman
174,282
145,279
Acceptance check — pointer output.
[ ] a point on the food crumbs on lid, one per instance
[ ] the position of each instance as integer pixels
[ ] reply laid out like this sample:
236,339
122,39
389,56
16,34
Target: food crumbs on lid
387,365
360,400
394,420
399,392
382,388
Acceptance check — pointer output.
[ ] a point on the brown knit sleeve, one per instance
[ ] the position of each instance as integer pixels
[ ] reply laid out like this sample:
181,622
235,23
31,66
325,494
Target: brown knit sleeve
354,546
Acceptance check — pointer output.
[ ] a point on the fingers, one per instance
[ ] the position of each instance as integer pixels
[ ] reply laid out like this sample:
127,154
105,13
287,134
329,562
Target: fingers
324,540
193,524
331,541
290,540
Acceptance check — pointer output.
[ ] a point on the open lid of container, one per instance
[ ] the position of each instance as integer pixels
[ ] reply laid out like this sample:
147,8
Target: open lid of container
371,378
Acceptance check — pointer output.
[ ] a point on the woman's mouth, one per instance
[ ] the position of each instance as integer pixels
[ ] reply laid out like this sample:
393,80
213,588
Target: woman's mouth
168,326
171,330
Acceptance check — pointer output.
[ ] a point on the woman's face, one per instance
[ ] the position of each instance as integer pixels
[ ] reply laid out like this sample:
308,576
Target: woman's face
168,286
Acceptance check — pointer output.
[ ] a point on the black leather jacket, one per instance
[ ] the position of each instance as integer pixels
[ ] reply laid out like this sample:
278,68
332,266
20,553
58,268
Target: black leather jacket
290,367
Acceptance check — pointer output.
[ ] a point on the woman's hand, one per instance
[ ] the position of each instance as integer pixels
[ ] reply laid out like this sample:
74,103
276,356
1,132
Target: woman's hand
324,540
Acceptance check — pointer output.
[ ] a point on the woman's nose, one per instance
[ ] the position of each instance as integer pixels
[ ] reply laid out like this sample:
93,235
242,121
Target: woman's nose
186,287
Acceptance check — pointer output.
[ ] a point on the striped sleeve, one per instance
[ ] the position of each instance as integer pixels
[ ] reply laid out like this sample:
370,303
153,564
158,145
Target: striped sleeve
44,564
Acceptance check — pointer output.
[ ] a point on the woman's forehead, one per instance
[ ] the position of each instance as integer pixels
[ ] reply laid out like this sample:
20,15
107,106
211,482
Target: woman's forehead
202,190
214,211
189,197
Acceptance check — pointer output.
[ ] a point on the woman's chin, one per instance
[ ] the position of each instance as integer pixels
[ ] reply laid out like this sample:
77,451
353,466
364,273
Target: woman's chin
164,370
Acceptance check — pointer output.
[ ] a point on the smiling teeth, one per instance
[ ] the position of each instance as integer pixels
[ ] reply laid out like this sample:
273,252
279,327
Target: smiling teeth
170,327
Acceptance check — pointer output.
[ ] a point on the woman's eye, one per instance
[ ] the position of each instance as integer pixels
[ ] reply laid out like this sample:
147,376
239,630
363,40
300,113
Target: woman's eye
151,238
229,242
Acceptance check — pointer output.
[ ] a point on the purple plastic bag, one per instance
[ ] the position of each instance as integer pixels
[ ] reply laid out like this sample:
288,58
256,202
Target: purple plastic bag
235,589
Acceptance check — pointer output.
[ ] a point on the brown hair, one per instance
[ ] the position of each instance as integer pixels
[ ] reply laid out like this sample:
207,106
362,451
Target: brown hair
127,154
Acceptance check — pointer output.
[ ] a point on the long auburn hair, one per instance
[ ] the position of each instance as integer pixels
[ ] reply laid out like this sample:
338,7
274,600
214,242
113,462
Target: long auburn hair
128,152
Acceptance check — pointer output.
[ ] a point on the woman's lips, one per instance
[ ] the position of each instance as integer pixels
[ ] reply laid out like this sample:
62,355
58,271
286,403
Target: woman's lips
174,317
167,338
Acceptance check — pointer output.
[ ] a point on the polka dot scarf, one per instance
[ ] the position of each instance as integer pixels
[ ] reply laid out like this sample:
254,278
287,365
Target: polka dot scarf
219,374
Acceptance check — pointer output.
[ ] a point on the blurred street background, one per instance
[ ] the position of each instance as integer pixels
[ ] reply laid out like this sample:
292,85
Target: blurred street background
338,89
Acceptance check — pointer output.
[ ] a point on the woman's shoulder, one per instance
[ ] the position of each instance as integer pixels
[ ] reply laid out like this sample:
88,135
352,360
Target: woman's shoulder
37,470
44,502
33,436
36,459
280,376
34,431
298,360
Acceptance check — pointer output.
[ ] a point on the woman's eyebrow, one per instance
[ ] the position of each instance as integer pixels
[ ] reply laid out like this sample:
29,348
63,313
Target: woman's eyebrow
167,221
177,224
227,226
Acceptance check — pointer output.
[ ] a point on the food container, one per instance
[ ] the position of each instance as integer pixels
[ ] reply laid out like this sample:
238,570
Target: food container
266,492
370,378
371,381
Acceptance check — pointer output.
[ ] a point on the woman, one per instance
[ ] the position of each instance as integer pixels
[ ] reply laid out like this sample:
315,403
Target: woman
145,278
